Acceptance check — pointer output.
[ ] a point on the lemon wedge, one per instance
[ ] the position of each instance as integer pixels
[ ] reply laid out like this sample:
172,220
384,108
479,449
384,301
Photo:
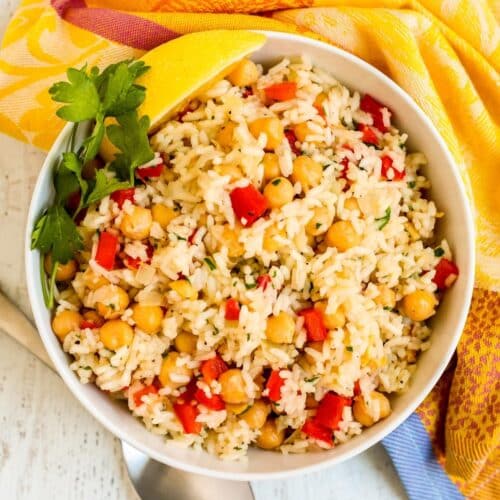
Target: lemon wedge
183,68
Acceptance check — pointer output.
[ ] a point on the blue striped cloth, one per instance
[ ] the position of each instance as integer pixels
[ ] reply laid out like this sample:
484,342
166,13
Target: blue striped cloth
423,478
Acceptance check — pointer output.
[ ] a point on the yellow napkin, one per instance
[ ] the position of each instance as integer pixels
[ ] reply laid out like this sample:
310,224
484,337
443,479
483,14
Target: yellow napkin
445,54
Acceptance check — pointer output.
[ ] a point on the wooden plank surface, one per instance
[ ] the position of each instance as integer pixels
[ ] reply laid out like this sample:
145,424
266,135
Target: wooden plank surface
50,447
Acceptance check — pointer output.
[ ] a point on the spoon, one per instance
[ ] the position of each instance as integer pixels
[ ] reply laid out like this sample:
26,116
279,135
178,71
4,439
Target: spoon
151,479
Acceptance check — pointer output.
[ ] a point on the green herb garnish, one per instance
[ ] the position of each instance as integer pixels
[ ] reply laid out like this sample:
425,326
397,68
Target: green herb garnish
383,221
275,182
311,380
438,252
349,348
92,95
210,263
411,184
249,286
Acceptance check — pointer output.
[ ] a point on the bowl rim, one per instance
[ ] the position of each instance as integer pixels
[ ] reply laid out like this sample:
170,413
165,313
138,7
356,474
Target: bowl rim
75,385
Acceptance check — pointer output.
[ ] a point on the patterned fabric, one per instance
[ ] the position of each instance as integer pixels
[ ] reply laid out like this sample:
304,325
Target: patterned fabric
444,53
411,452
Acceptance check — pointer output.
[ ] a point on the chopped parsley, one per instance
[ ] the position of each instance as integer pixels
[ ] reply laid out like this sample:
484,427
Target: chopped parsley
91,95
411,184
383,221
210,263
438,252
318,225
311,380
249,286
275,182
349,348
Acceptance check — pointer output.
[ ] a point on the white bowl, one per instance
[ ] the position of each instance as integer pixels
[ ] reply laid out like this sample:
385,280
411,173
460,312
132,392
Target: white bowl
457,225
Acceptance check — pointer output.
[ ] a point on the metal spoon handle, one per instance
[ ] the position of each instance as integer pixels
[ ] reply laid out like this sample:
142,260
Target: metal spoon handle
16,324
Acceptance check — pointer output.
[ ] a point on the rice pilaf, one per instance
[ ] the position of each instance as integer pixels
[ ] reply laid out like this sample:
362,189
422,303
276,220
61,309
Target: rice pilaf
269,280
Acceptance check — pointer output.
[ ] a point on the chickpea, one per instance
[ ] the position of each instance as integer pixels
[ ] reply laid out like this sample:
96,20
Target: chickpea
272,128
233,387
270,437
93,317
184,289
64,272
279,192
351,204
186,342
257,414
271,166
342,236
230,169
270,243
136,224
280,328
230,240
225,136
237,409
244,74
65,322
419,305
115,334
306,171
111,301
319,101
363,410
319,222
94,281
302,130
162,214
331,320
147,318
386,297
169,367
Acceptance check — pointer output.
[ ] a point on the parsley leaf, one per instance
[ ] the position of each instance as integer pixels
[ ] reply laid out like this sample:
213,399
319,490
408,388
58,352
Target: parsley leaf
131,138
103,186
80,93
383,221
56,232
438,252
68,178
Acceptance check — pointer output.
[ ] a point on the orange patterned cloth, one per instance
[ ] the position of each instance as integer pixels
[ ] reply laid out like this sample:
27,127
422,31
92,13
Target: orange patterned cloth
444,53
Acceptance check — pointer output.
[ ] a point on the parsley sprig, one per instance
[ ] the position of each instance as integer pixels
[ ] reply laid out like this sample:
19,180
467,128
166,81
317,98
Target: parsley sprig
109,100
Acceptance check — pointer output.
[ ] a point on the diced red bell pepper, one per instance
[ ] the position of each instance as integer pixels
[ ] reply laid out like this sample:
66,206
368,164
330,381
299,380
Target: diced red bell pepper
315,430
150,172
248,204
212,368
188,395
389,172
369,135
187,414
274,385
88,324
345,169
370,105
149,389
122,195
283,91
263,281
107,248
232,310
134,263
330,408
446,274
292,140
314,324
357,388
214,402
247,92
192,236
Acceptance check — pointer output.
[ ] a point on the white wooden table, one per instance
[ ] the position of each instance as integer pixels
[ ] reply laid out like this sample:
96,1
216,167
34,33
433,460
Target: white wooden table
50,447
